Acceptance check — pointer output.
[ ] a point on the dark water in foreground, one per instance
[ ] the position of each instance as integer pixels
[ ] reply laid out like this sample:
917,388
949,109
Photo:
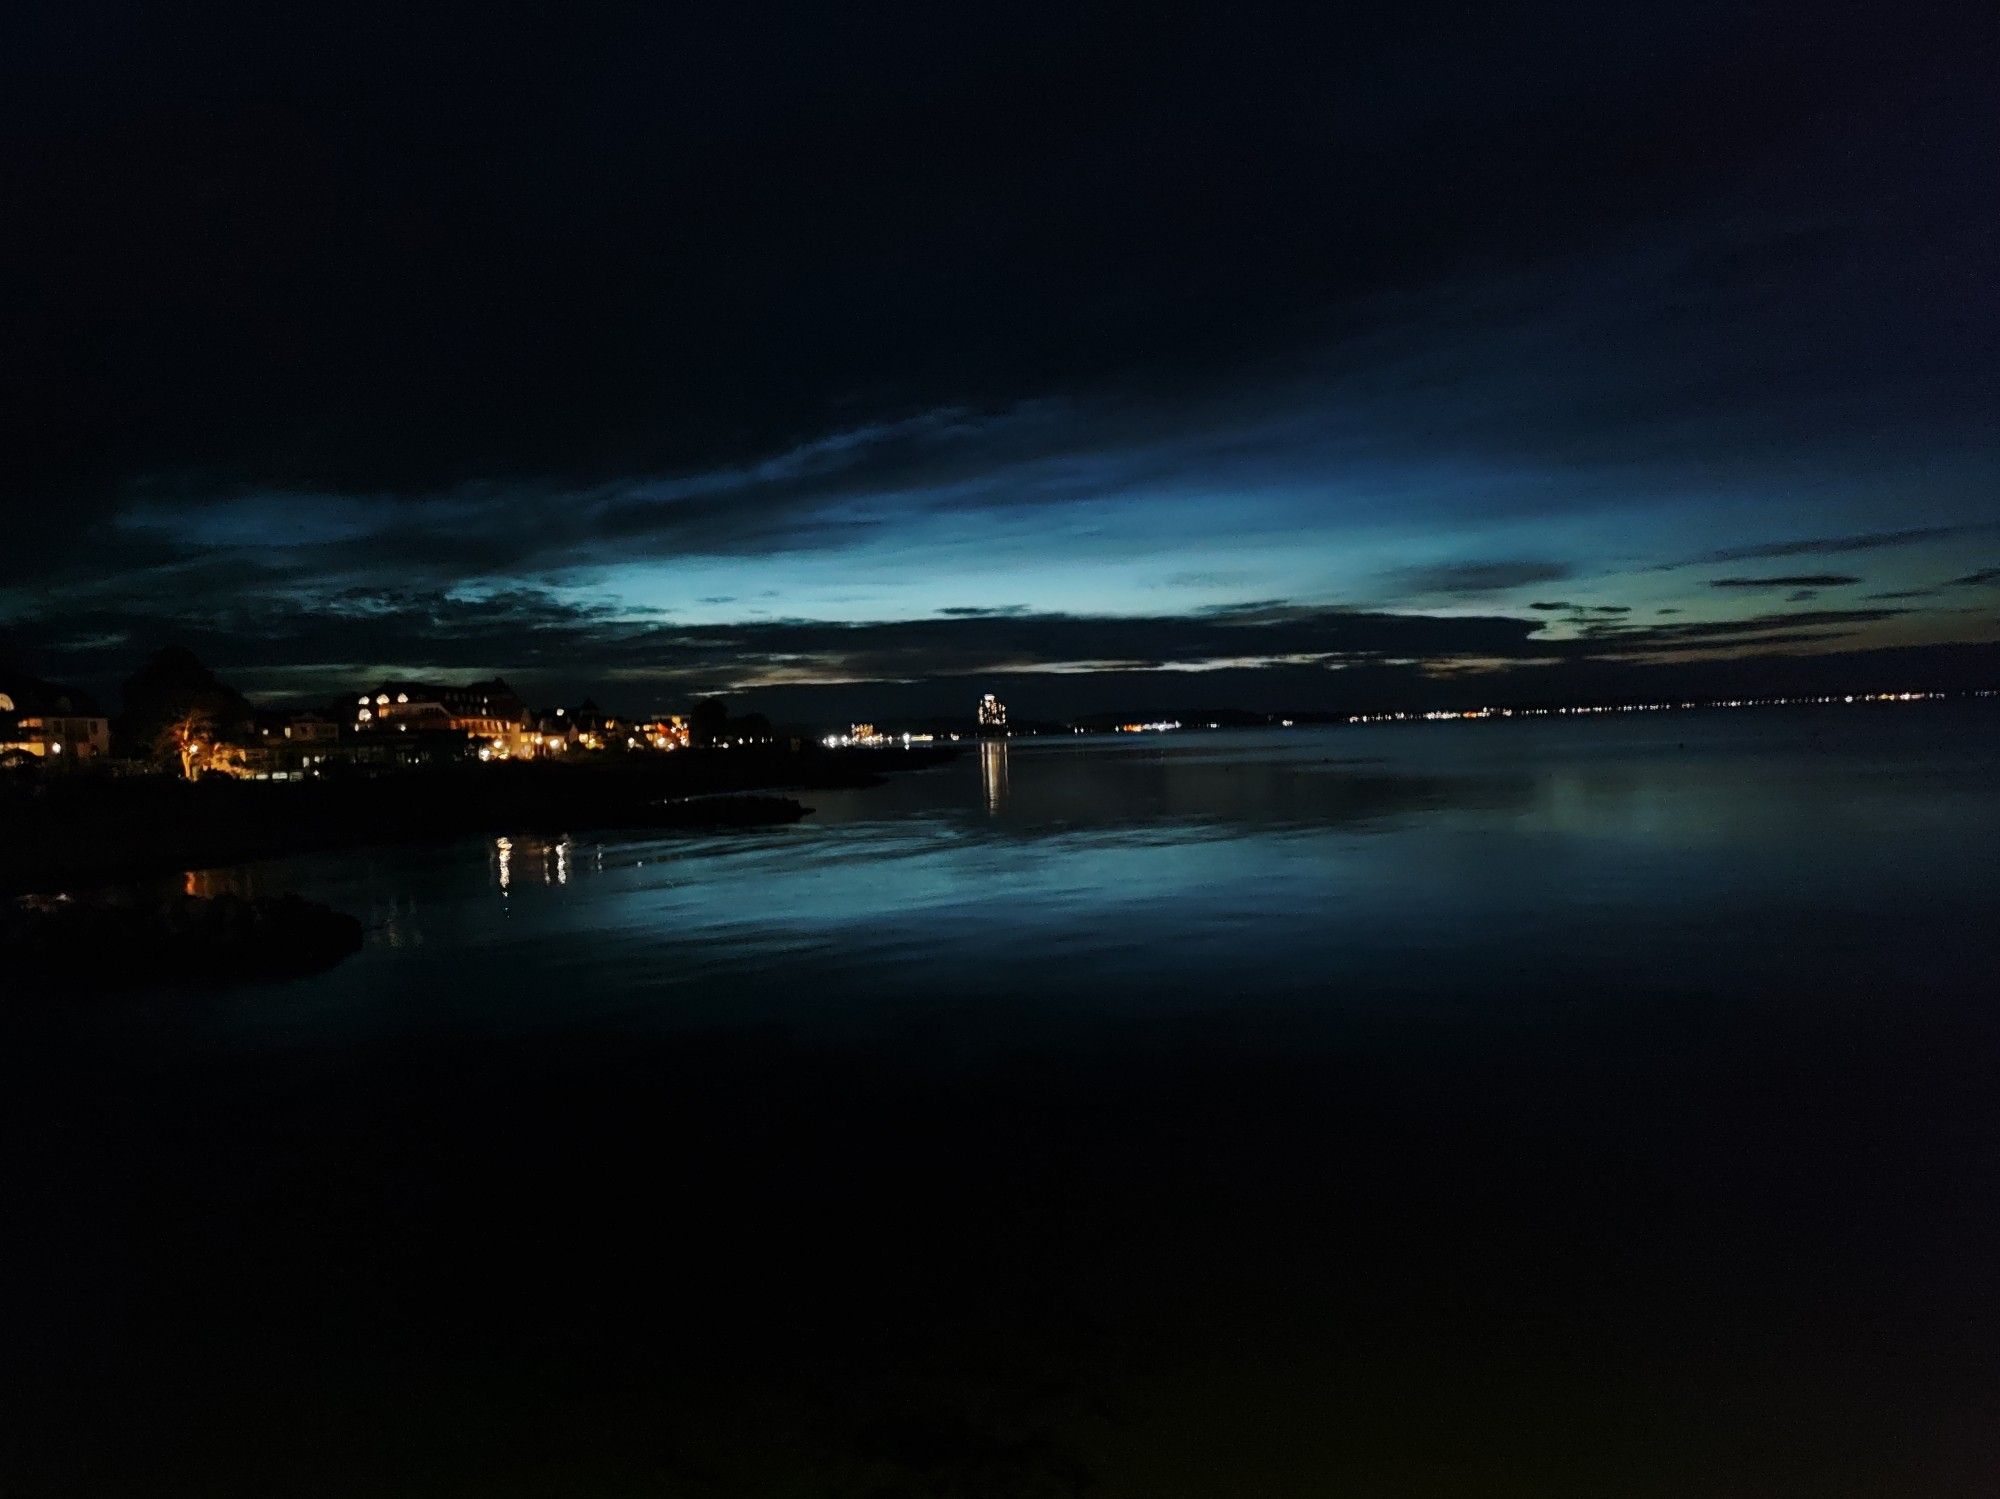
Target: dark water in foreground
1553,1108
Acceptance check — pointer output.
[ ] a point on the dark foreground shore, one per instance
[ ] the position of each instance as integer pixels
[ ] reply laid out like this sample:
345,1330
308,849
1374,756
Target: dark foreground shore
61,835
59,945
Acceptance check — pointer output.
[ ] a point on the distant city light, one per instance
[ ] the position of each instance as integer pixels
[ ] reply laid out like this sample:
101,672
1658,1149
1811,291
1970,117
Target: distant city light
1443,715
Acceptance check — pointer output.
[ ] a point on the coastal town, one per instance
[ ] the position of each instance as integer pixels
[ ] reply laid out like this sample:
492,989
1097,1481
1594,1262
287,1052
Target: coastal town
178,718
188,773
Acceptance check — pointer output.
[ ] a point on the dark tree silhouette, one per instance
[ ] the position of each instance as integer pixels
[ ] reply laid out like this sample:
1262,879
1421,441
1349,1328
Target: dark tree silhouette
172,687
707,723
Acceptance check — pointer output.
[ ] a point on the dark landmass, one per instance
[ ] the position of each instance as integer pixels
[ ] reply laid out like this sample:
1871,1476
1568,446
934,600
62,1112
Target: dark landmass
57,945
62,834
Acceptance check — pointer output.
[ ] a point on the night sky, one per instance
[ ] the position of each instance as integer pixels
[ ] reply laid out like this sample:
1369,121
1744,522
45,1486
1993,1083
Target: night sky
858,359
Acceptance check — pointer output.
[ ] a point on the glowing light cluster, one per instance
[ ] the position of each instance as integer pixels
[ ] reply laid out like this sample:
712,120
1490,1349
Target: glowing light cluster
1581,710
864,736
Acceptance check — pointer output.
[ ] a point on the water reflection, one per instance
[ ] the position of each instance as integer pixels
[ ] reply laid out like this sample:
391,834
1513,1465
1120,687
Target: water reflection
538,861
1202,788
1222,863
395,922
993,773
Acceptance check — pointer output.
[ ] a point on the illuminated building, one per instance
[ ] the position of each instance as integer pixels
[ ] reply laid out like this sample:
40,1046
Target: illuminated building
992,715
587,727
50,724
487,710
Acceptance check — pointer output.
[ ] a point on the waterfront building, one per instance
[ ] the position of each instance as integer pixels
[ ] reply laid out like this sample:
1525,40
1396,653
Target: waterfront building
485,710
590,727
53,725
992,715
488,711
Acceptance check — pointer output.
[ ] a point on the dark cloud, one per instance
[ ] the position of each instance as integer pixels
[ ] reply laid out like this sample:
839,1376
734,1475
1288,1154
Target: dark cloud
1795,580
1594,619
1479,577
1984,575
281,642
1870,541
1250,609
1613,638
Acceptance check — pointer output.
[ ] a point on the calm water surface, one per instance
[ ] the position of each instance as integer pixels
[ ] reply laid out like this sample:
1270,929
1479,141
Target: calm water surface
1524,1107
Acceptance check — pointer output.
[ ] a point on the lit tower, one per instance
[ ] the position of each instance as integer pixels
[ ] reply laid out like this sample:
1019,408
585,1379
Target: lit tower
992,715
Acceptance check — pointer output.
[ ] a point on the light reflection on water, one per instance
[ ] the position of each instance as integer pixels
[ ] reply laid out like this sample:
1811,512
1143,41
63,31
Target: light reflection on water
993,774
1199,865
